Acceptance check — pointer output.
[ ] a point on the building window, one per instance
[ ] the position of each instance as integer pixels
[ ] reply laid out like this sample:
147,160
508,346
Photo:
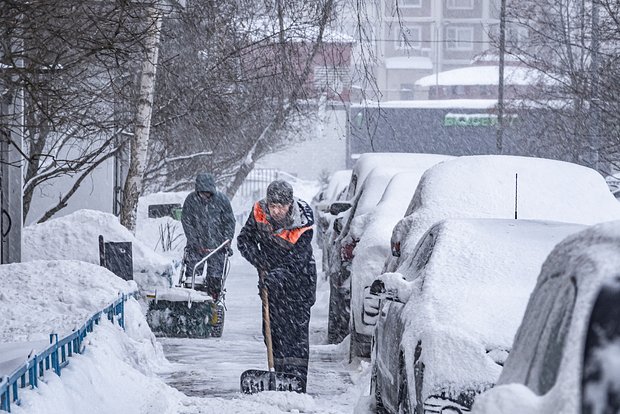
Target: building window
410,37
516,35
409,3
459,38
460,4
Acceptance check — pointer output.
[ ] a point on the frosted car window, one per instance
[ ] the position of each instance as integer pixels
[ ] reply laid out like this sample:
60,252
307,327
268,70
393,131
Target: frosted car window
420,257
548,351
530,334
557,328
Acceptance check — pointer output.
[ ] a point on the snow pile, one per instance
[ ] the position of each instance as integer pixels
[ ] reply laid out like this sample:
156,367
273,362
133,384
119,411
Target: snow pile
75,237
117,373
43,297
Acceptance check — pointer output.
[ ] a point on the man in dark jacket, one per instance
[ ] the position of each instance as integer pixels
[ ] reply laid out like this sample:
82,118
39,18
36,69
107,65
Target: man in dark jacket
276,239
208,221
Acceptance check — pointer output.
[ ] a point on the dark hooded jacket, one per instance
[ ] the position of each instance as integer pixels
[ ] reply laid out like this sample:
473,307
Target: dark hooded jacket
207,224
287,248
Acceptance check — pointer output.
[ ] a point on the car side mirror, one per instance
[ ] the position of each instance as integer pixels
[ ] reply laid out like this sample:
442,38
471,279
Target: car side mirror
378,289
339,207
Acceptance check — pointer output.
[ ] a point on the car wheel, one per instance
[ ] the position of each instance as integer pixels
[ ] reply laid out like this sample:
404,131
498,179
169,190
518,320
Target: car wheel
354,345
359,346
376,391
404,406
218,327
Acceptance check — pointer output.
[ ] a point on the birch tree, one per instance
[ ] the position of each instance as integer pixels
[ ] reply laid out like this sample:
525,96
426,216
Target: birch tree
140,140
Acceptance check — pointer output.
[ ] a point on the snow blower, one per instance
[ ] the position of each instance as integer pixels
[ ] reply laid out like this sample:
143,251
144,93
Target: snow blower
254,380
185,310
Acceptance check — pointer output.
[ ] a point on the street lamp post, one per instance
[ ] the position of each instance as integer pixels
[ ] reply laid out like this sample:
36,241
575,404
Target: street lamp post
500,88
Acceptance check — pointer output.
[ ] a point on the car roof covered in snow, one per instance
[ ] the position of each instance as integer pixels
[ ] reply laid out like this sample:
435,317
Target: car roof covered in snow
489,186
368,161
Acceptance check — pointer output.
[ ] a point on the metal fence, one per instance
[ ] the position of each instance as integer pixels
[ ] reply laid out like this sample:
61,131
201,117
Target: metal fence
56,356
255,185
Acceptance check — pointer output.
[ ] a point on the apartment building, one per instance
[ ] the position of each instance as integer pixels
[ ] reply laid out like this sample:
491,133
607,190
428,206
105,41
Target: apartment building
410,39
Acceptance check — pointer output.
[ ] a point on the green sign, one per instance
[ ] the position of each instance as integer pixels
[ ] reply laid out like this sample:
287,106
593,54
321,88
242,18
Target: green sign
476,120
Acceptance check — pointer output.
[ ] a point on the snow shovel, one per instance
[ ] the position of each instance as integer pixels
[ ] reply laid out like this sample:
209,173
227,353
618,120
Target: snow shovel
254,380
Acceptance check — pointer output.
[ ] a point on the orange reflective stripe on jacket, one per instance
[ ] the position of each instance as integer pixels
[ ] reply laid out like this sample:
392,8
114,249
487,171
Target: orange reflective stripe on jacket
290,236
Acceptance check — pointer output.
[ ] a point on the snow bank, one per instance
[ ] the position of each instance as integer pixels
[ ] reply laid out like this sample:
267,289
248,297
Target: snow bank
117,373
43,297
75,237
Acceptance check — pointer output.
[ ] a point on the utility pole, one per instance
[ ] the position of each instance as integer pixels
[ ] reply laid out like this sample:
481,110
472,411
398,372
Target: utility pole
500,85
595,108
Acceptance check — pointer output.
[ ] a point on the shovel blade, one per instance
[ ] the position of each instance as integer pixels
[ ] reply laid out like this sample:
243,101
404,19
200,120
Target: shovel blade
254,380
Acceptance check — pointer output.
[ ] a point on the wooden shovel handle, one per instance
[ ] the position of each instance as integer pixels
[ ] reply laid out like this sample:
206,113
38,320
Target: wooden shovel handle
264,295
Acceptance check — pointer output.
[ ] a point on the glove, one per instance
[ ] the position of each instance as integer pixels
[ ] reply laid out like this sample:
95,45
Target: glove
229,250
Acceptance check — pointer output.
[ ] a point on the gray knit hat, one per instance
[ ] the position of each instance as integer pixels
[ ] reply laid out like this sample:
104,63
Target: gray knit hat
279,192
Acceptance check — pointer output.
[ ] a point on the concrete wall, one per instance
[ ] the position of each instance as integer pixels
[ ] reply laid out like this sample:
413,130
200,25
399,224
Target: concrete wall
456,131
96,192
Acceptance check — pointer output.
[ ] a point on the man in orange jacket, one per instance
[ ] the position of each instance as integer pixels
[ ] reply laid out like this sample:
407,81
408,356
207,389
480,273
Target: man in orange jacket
276,239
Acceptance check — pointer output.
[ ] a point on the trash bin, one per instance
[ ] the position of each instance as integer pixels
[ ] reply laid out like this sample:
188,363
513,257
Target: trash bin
117,257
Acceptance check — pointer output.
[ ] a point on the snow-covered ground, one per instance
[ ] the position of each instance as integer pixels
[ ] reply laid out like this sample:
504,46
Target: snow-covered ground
127,371
212,367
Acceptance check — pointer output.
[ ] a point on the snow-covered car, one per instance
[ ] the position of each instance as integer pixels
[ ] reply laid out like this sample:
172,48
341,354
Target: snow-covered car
341,251
543,373
451,312
373,231
362,196
363,166
334,189
600,382
503,186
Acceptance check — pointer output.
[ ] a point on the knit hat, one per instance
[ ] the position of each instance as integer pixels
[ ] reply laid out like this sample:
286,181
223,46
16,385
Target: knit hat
279,192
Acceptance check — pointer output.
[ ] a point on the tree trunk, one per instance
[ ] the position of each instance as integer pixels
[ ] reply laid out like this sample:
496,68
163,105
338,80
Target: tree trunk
140,141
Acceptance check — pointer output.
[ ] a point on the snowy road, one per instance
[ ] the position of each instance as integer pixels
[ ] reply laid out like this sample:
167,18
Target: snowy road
212,367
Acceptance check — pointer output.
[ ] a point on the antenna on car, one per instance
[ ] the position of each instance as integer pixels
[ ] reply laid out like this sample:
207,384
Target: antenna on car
516,192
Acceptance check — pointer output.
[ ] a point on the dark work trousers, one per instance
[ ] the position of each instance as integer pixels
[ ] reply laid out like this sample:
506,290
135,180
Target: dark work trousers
289,315
215,267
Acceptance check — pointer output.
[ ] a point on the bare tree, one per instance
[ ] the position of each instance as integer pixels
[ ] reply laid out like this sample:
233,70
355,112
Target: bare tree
74,61
578,55
235,84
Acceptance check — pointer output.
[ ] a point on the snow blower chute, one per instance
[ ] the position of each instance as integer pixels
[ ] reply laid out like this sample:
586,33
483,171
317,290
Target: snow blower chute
186,310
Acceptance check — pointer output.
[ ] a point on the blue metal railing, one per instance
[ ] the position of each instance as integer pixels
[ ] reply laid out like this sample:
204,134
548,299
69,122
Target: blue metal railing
56,356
